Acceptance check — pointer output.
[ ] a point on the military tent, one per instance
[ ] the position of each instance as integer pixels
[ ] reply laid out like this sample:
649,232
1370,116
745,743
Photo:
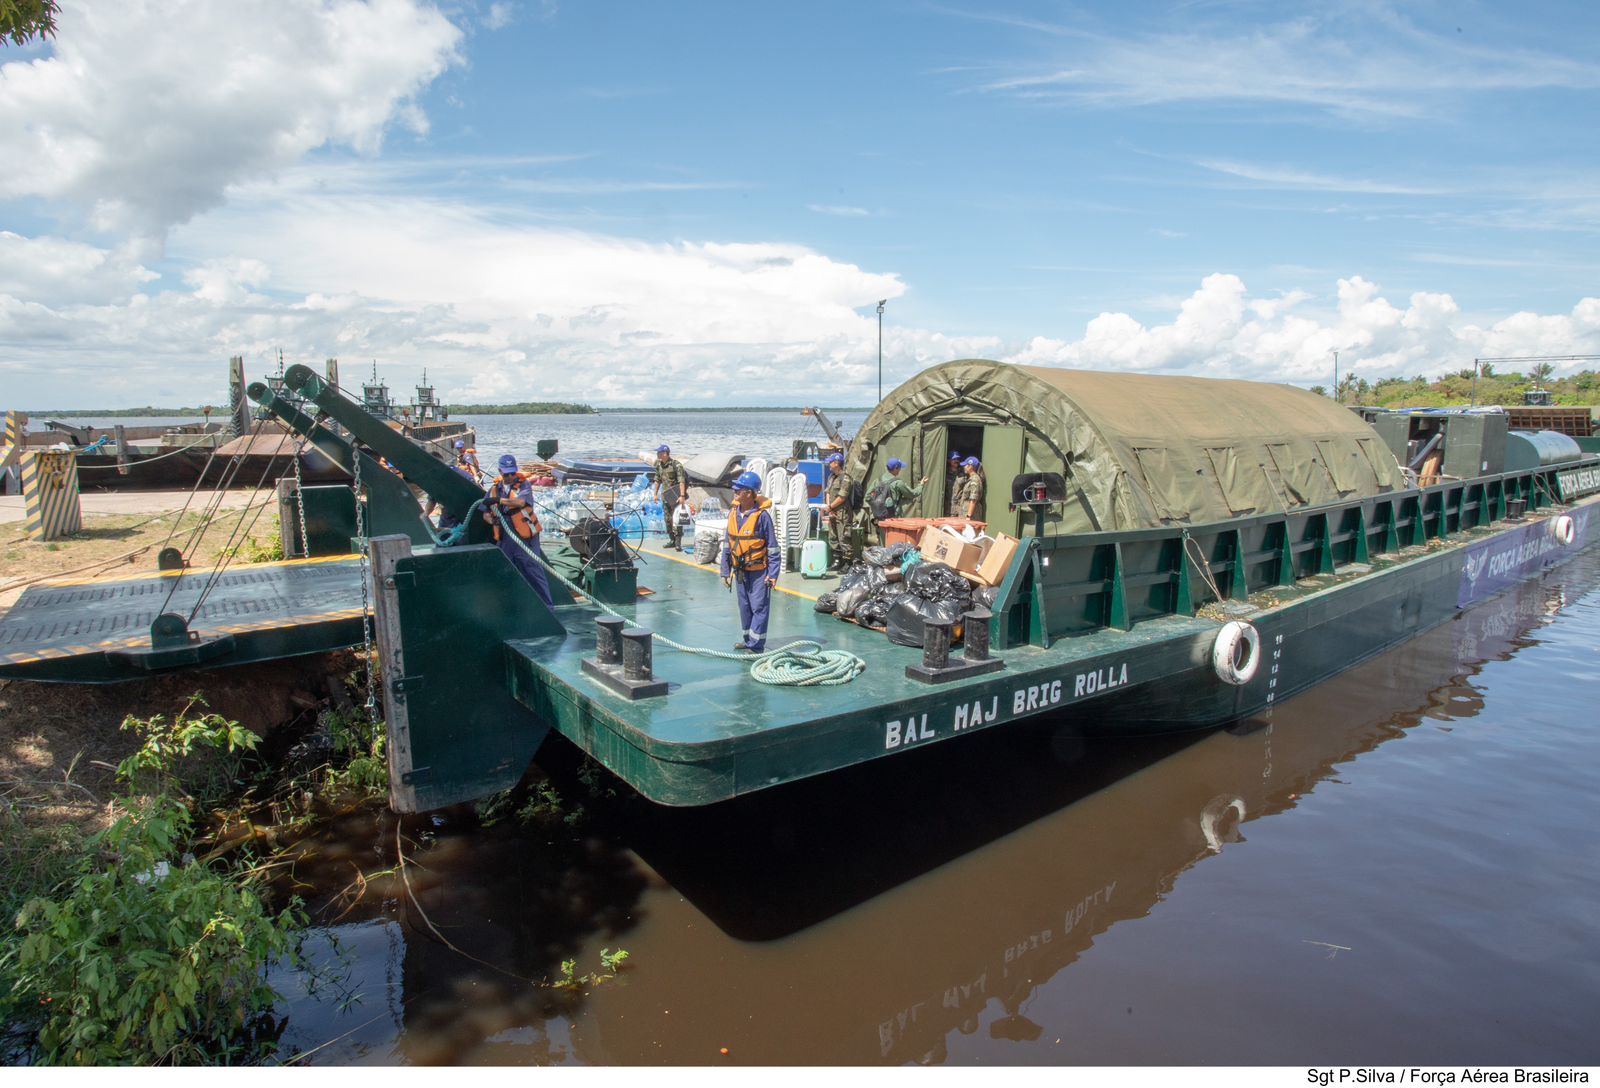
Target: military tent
1137,450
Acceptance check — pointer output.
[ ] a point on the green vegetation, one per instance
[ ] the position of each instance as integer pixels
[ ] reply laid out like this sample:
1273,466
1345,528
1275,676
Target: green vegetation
23,20
1582,388
126,948
569,979
121,413
523,408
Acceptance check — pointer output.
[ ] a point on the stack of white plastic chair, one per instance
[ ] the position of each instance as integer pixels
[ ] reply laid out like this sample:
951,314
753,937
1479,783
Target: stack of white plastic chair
788,510
775,485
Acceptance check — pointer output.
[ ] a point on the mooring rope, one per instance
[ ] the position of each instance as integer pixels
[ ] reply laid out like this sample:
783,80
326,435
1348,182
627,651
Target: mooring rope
787,666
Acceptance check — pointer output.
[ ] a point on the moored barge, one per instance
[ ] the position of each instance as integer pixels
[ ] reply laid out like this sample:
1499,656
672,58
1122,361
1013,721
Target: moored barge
1189,552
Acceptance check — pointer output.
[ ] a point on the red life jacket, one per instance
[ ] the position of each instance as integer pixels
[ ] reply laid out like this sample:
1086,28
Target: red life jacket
747,546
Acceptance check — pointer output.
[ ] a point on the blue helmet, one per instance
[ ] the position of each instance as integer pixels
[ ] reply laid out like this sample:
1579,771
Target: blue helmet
972,462
895,462
834,459
460,445
747,481
508,463
955,455
663,448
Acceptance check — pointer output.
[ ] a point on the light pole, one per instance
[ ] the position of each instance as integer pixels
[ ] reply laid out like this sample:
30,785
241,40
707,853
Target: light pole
881,301
1336,377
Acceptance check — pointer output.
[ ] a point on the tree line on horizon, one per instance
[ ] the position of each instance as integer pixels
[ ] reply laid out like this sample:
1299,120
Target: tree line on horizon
1582,388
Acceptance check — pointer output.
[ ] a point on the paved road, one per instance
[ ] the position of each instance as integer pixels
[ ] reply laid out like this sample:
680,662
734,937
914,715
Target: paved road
131,502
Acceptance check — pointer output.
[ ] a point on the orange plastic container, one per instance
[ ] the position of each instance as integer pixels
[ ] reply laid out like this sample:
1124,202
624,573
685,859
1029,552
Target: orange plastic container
903,530
909,530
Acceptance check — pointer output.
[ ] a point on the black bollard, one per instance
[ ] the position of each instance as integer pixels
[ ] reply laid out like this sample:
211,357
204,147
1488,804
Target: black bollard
937,667
608,640
623,660
975,635
636,654
935,645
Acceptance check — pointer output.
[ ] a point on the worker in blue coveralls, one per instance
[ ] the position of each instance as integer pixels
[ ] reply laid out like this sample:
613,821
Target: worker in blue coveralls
749,560
512,495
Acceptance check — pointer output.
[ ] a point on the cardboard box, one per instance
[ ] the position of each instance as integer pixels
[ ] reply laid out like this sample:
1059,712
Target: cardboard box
938,546
997,559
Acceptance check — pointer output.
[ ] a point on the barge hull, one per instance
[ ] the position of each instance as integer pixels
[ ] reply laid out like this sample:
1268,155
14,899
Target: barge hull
716,735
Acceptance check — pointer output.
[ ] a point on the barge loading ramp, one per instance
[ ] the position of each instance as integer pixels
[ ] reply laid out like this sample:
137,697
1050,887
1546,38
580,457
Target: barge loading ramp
98,632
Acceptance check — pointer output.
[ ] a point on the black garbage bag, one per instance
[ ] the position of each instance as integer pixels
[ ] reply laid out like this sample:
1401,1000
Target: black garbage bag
827,602
872,612
985,596
910,612
845,601
886,557
859,574
938,582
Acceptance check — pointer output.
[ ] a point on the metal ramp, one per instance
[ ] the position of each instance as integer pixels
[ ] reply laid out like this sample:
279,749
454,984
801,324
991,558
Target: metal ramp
94,632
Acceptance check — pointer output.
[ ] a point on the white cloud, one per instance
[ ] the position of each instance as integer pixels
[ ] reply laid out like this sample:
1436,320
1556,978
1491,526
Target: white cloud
1220,331
838,209
499,16
146,112
1281,177
495,308
1362,63
54,271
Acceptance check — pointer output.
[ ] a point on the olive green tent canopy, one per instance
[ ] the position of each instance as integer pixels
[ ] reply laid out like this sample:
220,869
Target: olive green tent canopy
1138,450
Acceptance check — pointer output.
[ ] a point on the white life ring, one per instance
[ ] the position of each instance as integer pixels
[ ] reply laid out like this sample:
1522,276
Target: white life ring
1225,653
1563,529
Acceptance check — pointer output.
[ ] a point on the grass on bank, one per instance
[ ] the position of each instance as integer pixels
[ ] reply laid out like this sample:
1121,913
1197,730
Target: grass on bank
125,546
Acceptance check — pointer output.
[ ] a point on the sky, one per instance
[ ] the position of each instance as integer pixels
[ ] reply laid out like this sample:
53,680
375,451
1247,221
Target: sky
701,203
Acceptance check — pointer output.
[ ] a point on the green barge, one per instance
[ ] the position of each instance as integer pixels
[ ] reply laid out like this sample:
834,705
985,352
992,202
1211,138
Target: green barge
1184,621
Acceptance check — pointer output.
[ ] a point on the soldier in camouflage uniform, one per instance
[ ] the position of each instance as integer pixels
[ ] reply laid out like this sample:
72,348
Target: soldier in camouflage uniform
900,495
954,477
841,516
672,480
971,497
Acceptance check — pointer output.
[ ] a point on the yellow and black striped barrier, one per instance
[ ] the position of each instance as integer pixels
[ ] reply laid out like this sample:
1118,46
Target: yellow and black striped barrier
11,443
50,493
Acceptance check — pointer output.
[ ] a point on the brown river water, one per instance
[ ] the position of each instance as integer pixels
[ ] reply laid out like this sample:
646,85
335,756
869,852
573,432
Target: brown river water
1400,867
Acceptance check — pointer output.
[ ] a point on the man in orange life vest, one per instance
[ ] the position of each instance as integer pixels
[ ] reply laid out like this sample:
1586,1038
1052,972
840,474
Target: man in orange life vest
512,496
749,559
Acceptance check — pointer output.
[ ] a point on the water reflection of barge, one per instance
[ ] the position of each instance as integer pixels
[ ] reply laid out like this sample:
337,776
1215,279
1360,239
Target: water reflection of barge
944,892
1093,833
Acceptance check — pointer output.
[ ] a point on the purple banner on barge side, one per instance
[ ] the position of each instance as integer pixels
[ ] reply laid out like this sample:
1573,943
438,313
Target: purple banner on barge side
1494,565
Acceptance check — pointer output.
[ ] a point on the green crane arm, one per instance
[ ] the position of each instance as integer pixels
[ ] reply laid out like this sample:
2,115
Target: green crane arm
391,508
338,450
448,487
